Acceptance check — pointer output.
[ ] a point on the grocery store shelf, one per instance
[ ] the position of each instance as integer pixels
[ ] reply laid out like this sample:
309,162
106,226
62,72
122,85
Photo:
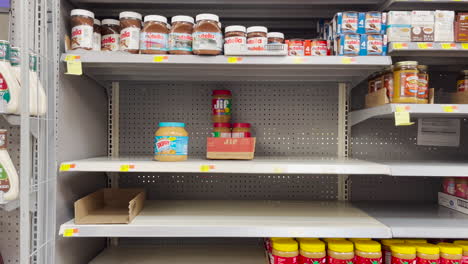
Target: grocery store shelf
118,66
9,205
285,165
459,5
188,218
418,220
415,110
436,49
428,168
15,120
182,254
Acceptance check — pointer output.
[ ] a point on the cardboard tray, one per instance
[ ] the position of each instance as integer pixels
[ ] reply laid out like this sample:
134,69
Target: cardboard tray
453,202
460,97
110,206
380,97
230,148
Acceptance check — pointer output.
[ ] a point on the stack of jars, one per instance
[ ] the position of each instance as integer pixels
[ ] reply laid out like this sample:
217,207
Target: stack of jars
405,82
221,106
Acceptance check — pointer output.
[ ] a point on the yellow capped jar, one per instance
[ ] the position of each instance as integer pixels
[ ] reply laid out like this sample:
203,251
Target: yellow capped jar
403,254
340,252
415,241
312,251
450,253
464,245
368,252
171,142
354,240
427,253
285,251
387,251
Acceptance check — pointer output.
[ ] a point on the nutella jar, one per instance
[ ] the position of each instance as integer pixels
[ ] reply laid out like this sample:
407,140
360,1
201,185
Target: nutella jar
257,38
130,27
207,36
180,36
97,35
110,31
154,36
275,38
82,22
235,35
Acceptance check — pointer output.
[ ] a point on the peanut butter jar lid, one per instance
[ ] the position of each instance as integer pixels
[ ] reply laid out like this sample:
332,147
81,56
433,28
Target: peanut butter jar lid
97,22
109,21
130,14
275,35
234,29
257,29
82,12
182,19
207,17
156,18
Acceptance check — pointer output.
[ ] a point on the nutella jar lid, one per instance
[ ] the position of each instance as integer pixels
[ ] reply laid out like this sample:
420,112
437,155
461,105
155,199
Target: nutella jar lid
234,29
182,19
130,14
97,22
81,12
109,21
257,29
156,18
275,35
207,17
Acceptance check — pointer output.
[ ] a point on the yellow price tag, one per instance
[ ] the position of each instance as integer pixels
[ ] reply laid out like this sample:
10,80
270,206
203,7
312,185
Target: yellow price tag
399,45
464,45
74,67
448,45
450,108
72,57
234,59
69,232
160,58
127,167
403,108
423,45
348,60
67,167
206,168
298,60
278,170
403,119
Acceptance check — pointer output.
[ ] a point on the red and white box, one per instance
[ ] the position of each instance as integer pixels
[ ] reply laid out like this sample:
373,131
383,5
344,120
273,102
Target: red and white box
453,202
230,148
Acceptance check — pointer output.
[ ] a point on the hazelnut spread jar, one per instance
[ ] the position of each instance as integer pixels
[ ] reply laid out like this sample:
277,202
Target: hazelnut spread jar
257,38
275,38
82,22
97,35
221,106
154,35
207,36
130,27
180,37
110,30
235,35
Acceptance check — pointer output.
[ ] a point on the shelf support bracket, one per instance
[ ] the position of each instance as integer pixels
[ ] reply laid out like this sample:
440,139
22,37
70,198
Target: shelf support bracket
113,147
343,109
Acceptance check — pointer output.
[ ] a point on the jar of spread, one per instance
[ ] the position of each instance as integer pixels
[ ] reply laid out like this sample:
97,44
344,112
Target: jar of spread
207,35
312,251
340,252
427,253
462,81
386,248
403,254
450,253
130,27
97,35
171,142
275,38
241,130
461,187
154,35
180,36
235,35
221,106
368,252
423,84
285,251
405,82
464,245
82,22
110,35
222,130
257,38
269,246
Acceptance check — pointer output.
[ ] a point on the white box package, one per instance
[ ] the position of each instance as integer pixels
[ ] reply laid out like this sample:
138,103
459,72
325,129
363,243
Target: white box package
443,26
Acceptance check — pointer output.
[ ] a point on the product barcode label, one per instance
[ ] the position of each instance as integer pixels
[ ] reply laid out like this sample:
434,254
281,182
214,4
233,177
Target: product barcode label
274,47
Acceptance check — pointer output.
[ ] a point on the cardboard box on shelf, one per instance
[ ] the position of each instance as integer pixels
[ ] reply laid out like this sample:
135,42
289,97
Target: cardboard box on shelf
453,202
461,27
230,148
444,25
110,206
377,98
422,26
460,97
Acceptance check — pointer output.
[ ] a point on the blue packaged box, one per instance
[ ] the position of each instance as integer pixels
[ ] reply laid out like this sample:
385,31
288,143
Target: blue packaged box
373,45
346,22
370,23
348,44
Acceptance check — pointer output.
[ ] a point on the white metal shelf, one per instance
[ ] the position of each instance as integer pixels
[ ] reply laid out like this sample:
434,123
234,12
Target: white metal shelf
415,110
118,66
458,5
186,218
429,168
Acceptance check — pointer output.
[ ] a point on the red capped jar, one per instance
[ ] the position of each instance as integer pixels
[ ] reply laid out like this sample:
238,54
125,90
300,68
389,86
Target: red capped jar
241,130
235,35
110,35
257,38
221,106
222,130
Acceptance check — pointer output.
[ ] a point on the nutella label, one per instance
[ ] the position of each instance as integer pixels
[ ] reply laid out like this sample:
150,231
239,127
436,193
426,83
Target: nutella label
374,44
305,260
361,260
349,22
284,260
426,261
235,40
153,41
332,260
350,44
96,41
296,48
82,37
396,260
180,41
319,48
373,22
130,38
257,43
4,181
207,41
110,42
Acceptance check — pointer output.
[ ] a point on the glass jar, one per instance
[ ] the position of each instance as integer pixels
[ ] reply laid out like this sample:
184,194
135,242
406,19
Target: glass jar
171,142
386,248
388,82
464,245
235,35
180,36
462,81
110,35
285,251
222,130
405,82
154,35
275,38
257,38
82,22
207,35
312,251
241,130
427,253
221,106
97,35
423,84
403,254
339,251
130,27
368,251
450,253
